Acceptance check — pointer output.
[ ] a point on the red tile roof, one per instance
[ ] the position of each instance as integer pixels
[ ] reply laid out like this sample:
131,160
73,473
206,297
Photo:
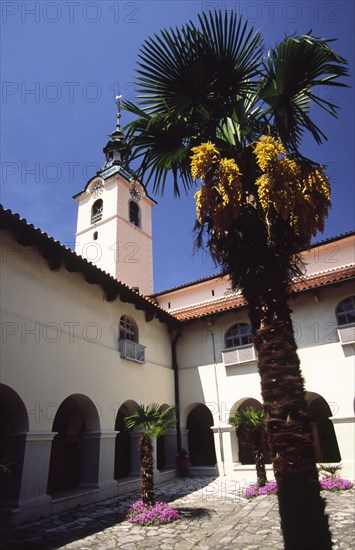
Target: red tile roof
236,300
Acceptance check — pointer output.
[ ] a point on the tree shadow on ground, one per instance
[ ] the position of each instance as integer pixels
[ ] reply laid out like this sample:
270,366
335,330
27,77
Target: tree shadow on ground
194,514
52,532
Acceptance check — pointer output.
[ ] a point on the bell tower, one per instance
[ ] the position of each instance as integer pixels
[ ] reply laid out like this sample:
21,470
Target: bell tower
114,227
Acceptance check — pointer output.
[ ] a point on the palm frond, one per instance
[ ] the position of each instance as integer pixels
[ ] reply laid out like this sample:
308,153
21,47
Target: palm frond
249,419
191,82
152,418
297,66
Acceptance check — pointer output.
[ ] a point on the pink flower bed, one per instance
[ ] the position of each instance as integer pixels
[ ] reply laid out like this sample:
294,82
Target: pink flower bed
335,484
156,514
327,483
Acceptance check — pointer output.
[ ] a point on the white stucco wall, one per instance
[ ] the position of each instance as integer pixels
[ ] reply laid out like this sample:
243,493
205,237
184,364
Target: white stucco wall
59,337
320,258
331,255
327,366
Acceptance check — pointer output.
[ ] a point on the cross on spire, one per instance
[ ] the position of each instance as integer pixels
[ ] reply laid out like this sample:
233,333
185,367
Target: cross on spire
118,115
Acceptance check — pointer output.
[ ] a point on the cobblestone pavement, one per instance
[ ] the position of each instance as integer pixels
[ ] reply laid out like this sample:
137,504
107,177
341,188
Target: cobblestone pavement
215,515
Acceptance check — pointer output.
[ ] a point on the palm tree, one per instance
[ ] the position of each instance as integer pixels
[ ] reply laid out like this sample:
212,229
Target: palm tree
207,91
154,421
252,422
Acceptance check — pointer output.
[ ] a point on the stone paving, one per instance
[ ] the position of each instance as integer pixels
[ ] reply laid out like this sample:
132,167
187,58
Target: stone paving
215,515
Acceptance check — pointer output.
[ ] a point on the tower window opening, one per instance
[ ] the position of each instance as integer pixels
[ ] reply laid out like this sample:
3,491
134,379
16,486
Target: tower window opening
134,214
97,210
95,235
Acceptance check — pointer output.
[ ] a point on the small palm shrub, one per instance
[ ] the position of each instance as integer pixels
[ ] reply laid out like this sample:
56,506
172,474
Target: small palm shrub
330,469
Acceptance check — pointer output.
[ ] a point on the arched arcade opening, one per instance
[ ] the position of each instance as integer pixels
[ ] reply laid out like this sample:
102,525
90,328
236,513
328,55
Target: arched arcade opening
246,454
75,452
200,436
13,428
324,439
123,444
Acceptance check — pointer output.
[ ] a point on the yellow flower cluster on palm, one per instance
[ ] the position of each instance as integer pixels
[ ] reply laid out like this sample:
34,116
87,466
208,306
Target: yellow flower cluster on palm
203,159
267,151
300,196
220,197
313,209
297,193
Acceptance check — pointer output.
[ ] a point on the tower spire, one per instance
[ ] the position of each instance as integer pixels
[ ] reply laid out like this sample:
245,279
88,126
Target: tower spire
118,114
114,147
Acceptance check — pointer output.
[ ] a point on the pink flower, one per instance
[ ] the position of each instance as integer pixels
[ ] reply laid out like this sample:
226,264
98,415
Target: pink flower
156,514
328,483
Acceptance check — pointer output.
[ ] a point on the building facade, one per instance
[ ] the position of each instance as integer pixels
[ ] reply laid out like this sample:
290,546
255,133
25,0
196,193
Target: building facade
84,340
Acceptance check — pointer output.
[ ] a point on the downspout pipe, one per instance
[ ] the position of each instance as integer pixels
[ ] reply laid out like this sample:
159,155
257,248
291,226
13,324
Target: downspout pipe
174,336
220,437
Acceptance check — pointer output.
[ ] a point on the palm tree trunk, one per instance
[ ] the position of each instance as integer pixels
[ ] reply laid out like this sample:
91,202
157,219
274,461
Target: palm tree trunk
147,474
303,521
259,460
261,264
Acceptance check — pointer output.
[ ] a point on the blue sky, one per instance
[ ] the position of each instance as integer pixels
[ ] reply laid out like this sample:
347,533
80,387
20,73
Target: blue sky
63,62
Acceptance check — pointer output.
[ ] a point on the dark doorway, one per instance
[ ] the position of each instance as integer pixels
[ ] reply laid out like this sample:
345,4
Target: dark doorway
200,437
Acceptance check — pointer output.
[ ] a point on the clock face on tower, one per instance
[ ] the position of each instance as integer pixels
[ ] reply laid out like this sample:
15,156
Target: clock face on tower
97,190
134,192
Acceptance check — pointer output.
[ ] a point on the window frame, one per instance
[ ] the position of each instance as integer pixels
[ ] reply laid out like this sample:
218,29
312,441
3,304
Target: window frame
128,340
129,329
238,338
347,313
96,215
137,221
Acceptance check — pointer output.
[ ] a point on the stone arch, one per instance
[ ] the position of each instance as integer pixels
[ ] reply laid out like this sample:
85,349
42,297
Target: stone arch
200,436
14,425
123,443
324,439
244,403
245,449
74,461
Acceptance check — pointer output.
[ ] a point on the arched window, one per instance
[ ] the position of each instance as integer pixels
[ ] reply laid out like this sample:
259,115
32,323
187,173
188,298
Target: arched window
238,335
95,235
128,340
134,213
96,211
345,311
128,329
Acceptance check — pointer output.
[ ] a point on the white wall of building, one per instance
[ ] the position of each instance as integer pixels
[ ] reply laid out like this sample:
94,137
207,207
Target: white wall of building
327,366
60,339
318,259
